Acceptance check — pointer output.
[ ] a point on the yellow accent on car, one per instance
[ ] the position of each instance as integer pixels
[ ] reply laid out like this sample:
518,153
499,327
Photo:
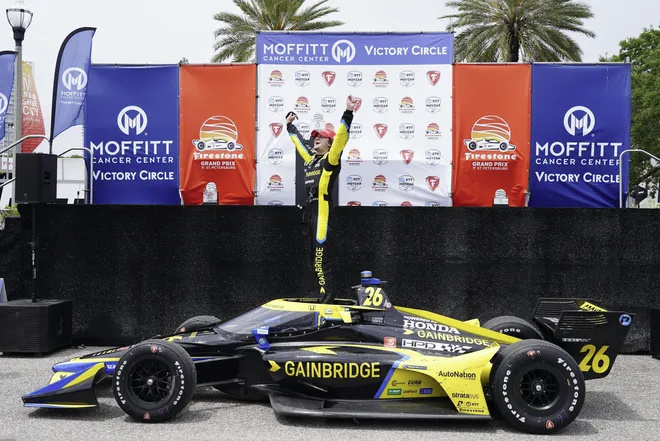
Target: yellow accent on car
89,373
274,367
473,322
320,350
586,306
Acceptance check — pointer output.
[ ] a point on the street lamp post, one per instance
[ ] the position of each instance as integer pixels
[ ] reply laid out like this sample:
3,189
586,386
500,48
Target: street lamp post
19,19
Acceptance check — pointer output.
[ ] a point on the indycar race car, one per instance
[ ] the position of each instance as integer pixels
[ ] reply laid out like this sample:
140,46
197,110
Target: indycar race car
361,358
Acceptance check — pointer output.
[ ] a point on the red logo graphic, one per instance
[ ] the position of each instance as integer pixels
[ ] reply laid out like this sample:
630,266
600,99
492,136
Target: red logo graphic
389,342
407,156
531,353
549,425
354,204
154,349
432,182
330,126
381,130
433,76
358,104
276,129
406,204
147,416
328,77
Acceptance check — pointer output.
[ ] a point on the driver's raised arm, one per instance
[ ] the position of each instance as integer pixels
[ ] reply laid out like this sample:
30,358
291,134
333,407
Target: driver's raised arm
303,146
341,138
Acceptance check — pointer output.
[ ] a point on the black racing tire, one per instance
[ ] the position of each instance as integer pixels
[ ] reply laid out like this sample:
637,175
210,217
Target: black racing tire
536,386
513,326
504,146
472,146
201,146
196,323
240,392
154,381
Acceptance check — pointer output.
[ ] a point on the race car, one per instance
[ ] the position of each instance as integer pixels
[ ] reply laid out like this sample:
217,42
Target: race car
488,144
216,144
361,358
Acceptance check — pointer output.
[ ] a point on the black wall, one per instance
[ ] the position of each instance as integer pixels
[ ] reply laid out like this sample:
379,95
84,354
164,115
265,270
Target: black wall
136,271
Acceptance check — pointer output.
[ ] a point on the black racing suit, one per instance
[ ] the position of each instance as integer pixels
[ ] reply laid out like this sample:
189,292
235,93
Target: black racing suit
321,171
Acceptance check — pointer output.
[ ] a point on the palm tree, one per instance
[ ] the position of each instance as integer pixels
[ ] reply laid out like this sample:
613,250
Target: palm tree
505,30
237,37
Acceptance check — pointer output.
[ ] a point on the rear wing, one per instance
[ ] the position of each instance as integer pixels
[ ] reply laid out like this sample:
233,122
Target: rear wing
590,333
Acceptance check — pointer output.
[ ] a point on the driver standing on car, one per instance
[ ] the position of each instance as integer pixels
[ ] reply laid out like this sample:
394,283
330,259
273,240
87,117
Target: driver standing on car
322,154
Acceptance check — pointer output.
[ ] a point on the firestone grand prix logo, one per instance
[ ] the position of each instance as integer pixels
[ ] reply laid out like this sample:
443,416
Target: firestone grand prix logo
132,117
218,133
490,132
74,77
4,103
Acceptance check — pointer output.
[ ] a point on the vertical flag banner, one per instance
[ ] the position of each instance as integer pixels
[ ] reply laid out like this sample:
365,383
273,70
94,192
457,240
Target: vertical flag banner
491,133
581,116
132,127
33,119
399,151
7,69
218,114
71,78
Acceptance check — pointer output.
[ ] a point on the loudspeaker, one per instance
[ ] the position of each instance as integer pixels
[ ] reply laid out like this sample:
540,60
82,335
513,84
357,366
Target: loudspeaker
655,333
36,178
35,327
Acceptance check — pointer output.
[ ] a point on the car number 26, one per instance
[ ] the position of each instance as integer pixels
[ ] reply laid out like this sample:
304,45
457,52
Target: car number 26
595,359
375,298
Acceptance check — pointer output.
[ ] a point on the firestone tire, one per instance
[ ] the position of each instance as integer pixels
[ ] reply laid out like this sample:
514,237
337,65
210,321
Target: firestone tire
196,323
154,381
513,326
537,387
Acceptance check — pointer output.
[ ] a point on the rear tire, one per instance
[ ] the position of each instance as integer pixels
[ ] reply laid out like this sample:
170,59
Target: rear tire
513,326
537,387
154,381
196,323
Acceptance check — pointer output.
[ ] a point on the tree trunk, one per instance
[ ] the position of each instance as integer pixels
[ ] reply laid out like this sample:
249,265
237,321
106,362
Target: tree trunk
514,44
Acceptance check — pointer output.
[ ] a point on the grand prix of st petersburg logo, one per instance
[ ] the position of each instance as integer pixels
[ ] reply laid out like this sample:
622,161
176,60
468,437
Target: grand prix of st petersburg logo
74,77
579,120
343,50
218,133
4,103
132,117
490,132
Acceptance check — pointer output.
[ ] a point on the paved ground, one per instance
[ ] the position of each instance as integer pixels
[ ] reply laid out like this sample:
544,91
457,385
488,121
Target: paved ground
625,405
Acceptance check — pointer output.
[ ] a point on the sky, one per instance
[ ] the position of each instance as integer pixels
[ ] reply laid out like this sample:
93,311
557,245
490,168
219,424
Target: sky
164,31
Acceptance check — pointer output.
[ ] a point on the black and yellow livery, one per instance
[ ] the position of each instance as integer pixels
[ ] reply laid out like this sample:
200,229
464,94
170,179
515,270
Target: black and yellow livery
360,357
321,171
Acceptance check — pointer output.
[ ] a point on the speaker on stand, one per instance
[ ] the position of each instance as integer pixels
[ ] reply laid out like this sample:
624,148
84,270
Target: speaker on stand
36,326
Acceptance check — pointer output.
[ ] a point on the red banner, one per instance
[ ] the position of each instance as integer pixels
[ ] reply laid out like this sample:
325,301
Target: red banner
218,112
492,106
33,120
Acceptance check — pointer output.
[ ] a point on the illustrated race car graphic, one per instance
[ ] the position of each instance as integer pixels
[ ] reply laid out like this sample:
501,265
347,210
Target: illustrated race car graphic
218,133
361,358
490,133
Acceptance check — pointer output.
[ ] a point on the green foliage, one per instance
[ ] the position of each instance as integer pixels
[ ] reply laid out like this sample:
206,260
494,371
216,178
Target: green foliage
8,211
237,37
643,52
505,30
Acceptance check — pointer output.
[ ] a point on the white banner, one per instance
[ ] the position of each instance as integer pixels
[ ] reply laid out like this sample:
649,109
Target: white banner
399,152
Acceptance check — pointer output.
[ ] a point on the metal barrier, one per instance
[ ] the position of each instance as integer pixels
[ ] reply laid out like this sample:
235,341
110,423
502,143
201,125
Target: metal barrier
621,171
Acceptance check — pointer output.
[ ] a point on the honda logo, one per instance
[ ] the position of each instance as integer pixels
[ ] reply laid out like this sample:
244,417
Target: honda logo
4,103
74,77
132,117
585,123
343,50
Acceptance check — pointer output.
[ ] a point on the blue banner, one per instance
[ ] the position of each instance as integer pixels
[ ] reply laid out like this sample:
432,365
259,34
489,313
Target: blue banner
354,49
71,79
132,127
7,69
581,116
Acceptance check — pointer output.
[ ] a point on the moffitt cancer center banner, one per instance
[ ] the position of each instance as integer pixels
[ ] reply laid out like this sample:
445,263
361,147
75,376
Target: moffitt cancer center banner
399,152
580,125
132,126
218,133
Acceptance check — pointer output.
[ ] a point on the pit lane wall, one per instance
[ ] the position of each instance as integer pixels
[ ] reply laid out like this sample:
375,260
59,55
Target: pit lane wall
137,271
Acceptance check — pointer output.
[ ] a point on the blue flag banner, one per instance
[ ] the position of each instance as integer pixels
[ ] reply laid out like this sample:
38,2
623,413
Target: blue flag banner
7,69
71,80
581,116
132,128
352,49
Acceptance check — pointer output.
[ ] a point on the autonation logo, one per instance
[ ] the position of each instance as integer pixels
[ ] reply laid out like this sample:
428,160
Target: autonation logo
132,117
74,77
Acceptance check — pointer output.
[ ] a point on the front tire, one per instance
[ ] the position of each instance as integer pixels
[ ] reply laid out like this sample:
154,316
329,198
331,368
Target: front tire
154,381
513,326
537,387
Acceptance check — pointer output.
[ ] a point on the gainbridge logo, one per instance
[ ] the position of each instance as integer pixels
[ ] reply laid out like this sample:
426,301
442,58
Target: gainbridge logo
218,133
490,132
